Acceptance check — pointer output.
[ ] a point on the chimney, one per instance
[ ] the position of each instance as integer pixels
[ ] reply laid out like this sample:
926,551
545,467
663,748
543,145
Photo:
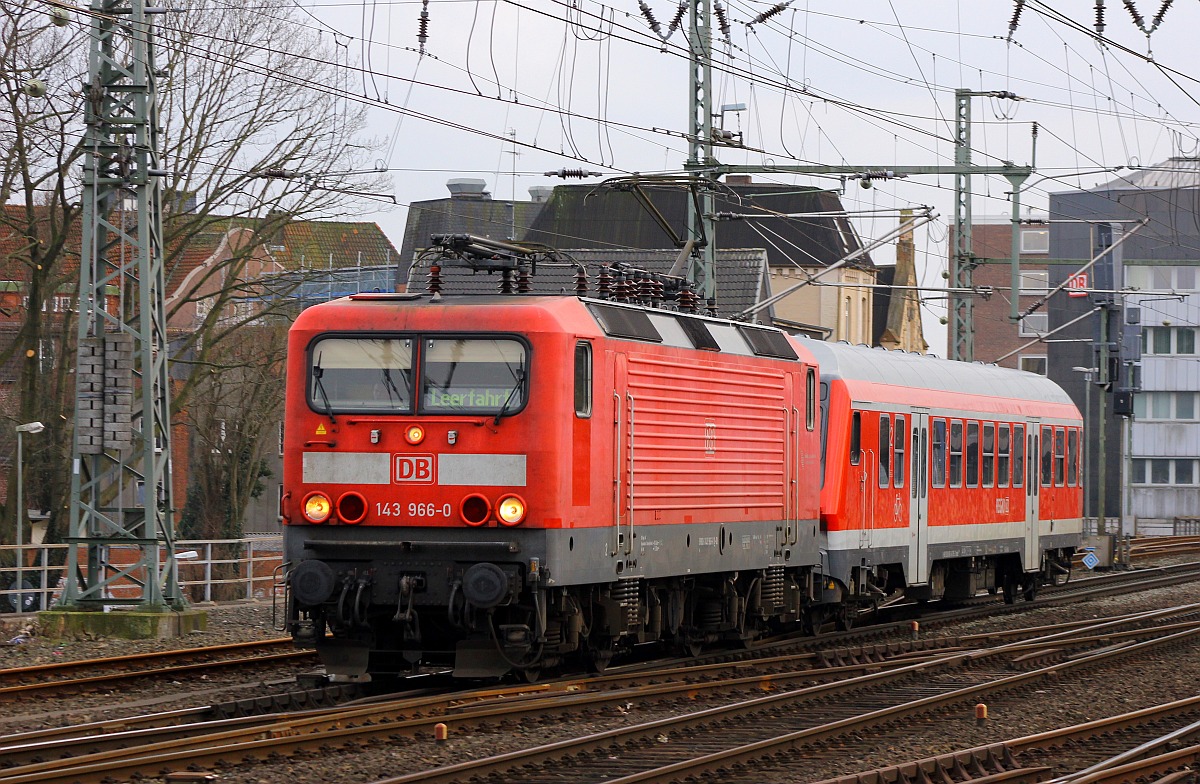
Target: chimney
738,179
540,194
467,188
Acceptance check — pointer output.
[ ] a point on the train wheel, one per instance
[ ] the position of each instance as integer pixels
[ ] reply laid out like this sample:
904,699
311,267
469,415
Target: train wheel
598,658
1031,590
1010,591
843,619
531,674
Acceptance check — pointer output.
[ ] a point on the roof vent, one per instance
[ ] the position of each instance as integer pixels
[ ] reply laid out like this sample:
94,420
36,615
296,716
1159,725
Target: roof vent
541,193
468,188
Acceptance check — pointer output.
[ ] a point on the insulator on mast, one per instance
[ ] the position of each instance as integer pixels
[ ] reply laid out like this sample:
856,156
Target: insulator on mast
1018,7
423,25
722,19
679,12
1100,17
650,20
774,10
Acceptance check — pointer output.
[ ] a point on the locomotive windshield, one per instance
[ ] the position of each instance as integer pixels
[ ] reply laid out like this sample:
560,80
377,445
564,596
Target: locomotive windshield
361,374
380,375
483,375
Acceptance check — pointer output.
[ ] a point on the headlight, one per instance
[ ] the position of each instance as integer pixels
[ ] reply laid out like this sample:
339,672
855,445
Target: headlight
414,434
511,509
352,508
317,507
475,509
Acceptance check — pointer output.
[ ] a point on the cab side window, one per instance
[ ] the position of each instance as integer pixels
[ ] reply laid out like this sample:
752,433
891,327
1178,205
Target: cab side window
856,438
583,380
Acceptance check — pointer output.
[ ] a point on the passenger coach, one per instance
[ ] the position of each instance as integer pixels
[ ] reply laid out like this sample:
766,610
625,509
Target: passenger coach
942,479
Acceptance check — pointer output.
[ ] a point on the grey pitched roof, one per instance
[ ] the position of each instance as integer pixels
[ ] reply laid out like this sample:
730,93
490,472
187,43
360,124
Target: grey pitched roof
741,276
1171,173
483,217
587,216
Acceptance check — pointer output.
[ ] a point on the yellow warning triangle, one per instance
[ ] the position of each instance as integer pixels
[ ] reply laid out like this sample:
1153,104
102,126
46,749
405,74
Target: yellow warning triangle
321,429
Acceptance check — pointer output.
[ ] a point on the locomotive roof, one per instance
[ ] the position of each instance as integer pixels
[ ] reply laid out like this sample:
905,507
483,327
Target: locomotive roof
901,368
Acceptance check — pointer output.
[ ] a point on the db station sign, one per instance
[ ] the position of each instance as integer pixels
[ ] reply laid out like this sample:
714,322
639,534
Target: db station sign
1077,285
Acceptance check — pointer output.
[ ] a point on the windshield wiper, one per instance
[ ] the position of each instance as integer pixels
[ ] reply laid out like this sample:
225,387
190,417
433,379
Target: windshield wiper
519,376
390,384
317,373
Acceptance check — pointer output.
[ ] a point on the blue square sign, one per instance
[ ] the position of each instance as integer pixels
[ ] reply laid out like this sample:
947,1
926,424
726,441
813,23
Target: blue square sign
1091,561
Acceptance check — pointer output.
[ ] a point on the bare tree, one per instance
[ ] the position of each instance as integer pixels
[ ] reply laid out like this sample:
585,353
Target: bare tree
255,134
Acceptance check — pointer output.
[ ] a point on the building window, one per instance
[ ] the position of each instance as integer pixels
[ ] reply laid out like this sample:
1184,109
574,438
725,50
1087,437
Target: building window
1185,278
281,437
1032,363
1185,340
1165,406
1035,240
1034,325
1034,282
1164,471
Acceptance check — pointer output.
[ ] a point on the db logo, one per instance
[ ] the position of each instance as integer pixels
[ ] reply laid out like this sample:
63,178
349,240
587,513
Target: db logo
414,468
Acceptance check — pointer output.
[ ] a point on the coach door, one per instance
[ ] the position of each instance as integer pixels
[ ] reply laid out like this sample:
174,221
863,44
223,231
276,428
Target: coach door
1033,482
623,408
918,499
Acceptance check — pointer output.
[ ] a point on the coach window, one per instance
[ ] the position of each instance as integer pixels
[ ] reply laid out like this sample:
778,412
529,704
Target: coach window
810,399
1047,452
583,379
956,454
989,454
1072,457
938,453
898,460
885,451
972,454
1060,457
1018,442
855,437
1002,448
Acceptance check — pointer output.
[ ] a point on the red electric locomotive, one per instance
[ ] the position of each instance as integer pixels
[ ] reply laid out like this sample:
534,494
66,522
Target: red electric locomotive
501,482
943,478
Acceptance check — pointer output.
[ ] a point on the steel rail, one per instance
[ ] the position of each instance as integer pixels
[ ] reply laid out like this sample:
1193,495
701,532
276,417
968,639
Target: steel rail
463,708
770,746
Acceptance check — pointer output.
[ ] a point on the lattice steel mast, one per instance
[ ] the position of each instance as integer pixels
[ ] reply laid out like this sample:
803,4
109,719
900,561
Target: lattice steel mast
121,490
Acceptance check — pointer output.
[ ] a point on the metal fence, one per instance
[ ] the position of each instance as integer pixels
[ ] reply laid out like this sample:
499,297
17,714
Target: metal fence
209,570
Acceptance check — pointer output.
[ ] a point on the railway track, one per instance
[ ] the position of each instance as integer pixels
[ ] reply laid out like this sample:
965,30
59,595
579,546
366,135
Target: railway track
1153,744
792,688
102,674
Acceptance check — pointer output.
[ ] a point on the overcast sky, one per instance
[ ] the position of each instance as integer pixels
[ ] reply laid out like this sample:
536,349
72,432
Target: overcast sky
508,90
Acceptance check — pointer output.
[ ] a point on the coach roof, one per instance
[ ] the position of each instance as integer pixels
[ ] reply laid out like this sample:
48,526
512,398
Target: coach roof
900,368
